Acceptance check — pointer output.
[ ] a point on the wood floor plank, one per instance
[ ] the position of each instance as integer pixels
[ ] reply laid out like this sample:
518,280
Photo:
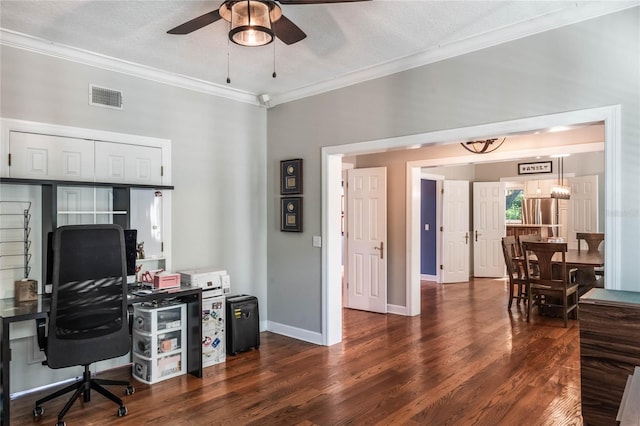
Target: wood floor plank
465,360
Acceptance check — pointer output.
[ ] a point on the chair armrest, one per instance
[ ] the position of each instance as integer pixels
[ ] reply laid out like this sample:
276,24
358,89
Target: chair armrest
41,333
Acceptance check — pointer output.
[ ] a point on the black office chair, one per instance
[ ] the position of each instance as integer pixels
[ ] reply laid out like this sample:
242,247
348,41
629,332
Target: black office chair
88,318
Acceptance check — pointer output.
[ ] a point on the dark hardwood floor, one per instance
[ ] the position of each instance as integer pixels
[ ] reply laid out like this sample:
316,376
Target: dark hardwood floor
464,361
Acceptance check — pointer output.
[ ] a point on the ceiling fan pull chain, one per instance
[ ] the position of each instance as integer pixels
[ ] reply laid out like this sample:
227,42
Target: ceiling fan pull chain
228,62
274,75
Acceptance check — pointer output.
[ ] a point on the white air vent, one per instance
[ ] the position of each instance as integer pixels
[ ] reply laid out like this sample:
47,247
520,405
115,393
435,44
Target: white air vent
103,97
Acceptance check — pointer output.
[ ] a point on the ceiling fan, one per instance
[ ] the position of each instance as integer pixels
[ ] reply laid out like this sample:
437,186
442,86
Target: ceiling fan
253,22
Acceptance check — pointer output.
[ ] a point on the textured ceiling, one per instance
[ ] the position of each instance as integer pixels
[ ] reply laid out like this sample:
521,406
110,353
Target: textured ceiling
343,40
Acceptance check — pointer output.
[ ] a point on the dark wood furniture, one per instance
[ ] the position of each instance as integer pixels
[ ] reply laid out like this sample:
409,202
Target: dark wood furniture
515,270
518,229
551,286
609,351
533,237
593,240
593,275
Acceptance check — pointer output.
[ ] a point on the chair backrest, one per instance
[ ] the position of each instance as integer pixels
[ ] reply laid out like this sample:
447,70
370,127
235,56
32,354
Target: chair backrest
593,240
88,318
541,255
528,237
510,252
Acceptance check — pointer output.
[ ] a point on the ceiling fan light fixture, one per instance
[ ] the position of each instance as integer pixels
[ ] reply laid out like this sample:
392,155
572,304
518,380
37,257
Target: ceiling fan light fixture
251,21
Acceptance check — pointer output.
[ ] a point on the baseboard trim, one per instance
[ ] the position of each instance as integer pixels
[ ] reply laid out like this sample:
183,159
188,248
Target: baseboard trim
397,310
296,333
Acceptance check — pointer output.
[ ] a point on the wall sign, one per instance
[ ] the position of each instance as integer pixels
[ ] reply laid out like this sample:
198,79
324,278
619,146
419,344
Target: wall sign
534,168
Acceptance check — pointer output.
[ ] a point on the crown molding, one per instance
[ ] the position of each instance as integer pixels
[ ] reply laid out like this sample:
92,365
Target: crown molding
581,12
44,47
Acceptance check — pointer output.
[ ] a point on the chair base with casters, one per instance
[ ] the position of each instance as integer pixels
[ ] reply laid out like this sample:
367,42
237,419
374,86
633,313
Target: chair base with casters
83,387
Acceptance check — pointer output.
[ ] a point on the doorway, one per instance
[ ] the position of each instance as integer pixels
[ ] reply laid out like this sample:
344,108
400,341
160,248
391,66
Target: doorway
331,185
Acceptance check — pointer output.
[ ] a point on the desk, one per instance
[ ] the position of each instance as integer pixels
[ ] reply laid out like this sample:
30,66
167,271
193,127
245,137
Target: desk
25,311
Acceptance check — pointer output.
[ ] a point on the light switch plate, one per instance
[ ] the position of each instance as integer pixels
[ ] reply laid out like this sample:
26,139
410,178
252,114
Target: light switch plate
317,241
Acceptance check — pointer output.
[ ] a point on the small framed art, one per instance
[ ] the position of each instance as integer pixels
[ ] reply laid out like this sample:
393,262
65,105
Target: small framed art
291,176
291,214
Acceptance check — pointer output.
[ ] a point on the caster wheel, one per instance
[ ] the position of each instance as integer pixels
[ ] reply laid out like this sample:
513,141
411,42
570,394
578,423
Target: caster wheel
130,390
61,423
122,411
38,411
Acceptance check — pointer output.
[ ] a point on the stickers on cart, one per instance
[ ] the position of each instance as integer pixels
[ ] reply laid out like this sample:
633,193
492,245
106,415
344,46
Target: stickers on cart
216,343
237,313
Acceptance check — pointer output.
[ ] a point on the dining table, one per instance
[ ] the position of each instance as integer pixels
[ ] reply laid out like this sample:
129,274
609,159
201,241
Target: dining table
580,258
585,263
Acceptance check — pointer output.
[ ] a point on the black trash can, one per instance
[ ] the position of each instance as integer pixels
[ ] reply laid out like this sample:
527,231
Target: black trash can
243,323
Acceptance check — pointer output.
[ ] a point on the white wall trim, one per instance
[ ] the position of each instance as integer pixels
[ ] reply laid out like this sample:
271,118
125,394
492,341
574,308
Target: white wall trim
330,156
425,277
397,310
296,333
581,12
85,57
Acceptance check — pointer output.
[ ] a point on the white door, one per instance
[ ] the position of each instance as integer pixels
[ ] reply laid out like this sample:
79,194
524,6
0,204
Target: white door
455,231
583,207
488,228
367,239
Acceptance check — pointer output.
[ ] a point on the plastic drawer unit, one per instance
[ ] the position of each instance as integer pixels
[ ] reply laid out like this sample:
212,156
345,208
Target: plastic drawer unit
159,342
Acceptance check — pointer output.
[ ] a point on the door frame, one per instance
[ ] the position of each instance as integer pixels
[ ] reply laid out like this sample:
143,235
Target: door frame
331,176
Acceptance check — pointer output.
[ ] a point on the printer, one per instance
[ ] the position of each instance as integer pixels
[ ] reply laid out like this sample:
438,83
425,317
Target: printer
215,282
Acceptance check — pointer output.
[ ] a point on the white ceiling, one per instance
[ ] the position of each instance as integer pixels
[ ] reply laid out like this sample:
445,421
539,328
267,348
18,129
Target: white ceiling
346,42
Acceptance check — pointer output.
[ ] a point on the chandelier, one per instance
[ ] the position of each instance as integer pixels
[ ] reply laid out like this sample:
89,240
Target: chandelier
559,190
482,146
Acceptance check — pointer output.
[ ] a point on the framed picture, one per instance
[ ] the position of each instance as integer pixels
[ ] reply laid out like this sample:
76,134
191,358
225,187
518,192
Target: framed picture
291,176
291,214
535,168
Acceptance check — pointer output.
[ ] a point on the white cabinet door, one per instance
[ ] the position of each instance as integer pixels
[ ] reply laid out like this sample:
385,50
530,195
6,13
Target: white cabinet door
36,156
124,163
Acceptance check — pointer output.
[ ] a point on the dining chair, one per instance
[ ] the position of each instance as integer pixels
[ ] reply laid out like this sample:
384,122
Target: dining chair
529,237
593,240
546,288
515,270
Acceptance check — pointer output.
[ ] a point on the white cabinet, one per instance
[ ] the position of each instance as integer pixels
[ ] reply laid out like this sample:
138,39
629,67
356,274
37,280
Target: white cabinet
125,163
46,157
159,342
37,156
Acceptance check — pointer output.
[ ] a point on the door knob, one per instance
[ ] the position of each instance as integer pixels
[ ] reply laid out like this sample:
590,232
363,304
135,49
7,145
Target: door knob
381,248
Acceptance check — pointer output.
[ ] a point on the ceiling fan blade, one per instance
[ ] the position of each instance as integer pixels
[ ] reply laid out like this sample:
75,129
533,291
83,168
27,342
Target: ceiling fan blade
316,1
196,23
287,31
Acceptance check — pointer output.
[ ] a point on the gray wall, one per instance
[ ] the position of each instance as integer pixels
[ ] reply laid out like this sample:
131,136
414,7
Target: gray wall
591,64
218,159
218,150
